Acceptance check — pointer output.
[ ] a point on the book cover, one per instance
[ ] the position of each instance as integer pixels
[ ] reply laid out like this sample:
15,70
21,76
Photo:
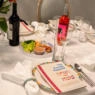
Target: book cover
60,77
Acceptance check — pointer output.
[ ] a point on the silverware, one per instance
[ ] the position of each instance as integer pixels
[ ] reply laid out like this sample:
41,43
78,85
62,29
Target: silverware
84,76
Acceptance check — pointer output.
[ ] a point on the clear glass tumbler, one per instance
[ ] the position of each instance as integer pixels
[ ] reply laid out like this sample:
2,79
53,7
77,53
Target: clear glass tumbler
59,50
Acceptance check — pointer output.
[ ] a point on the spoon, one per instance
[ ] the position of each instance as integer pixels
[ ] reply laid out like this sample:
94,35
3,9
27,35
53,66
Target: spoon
85,77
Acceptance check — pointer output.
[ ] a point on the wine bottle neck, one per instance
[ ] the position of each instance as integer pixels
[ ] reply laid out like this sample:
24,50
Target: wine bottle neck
1,3
66,11
14,11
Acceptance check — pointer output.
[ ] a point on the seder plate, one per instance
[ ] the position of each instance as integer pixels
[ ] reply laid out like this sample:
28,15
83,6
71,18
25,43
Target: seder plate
42,83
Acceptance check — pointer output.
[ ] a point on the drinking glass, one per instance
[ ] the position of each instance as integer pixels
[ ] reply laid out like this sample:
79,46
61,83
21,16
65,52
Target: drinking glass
85,28
78,24
81,27
71,30
3,38
2,34
58,50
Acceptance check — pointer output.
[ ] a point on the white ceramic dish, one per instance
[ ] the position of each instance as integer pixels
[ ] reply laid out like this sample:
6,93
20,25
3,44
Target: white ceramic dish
26,29
42,83
32,54
26,33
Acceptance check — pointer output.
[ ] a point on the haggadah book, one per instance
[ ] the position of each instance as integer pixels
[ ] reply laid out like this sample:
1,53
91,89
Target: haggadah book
60,77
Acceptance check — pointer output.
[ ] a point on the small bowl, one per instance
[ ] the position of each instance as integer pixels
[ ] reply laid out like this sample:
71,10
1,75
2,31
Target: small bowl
39,50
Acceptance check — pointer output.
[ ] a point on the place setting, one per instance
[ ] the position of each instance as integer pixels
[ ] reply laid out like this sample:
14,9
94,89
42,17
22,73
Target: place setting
38,49
37,83
46,50
55,77
32,79
39,41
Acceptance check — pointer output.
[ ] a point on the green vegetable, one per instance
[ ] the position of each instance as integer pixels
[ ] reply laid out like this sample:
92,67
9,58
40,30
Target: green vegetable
4,8
28,46
3,24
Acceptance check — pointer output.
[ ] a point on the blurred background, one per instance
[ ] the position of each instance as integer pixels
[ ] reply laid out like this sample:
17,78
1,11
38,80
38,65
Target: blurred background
27,9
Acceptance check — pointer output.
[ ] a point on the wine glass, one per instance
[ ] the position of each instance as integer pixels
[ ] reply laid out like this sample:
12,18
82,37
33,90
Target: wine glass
71,30
85,28
78,24
3,38
2,35
59,48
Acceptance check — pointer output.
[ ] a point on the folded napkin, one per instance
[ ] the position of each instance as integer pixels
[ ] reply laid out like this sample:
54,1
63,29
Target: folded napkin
21,74
25,29
88,62
42,27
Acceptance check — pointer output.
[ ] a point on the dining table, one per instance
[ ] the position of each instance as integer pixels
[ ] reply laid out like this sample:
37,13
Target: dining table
75,52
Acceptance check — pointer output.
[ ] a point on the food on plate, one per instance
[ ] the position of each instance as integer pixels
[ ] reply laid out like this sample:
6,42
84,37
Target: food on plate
28,46
39,50
48,48
37,47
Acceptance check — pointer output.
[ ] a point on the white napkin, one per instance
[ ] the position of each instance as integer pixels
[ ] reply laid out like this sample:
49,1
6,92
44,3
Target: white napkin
88,62
41,30
42,27
19,74
25,29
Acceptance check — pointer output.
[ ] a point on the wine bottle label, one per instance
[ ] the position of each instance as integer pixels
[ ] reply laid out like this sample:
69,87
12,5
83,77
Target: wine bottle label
62,33
9,34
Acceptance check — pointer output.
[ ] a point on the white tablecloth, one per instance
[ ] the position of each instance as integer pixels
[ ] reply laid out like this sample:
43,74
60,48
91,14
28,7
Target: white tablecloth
9,56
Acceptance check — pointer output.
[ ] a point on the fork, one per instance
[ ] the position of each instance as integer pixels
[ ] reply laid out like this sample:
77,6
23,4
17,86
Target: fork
85,77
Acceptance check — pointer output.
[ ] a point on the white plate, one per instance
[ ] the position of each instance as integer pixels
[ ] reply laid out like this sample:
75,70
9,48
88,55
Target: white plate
41,82
44,85
40,79
26,33
38,56
32,54
26,29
